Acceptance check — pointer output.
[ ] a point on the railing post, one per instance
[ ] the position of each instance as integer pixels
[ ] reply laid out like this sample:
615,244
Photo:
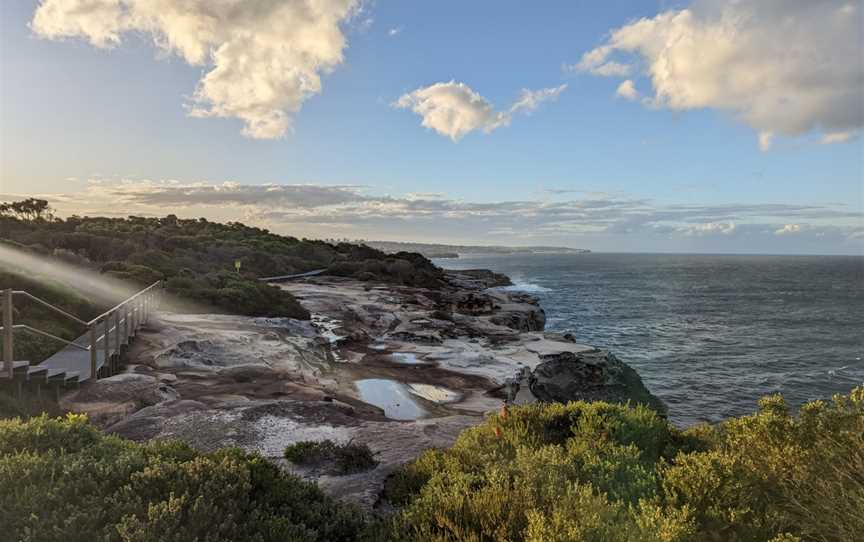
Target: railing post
132,318
93,352
117,338
126,329
107,344
8,350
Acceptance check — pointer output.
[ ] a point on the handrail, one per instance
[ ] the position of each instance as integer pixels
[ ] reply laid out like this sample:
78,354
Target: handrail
142,304
114,308
50,336
50,306
75,318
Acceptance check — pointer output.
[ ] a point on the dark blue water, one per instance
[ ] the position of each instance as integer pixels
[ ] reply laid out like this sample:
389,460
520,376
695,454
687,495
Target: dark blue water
709,334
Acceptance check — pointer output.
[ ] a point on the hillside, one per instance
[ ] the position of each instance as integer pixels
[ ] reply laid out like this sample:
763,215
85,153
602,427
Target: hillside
201,261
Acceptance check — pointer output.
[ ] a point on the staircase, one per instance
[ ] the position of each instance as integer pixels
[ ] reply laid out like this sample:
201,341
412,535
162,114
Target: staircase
94,354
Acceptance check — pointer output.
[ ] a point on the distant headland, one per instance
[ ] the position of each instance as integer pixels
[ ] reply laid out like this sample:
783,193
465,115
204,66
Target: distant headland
435,250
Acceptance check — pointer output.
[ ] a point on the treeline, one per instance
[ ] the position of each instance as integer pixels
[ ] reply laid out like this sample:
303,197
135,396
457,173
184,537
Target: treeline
197,258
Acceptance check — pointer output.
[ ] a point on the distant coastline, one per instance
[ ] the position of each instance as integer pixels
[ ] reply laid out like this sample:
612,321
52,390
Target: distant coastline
435,250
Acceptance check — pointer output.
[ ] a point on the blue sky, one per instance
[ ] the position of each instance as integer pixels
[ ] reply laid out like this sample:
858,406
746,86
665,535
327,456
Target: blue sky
105,127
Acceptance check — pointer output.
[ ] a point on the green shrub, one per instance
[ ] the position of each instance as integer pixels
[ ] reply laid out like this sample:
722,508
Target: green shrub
601,472
64,480
345,458
197,257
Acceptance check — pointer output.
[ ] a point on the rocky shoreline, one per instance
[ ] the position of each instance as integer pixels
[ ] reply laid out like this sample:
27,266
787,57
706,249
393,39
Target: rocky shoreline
398,368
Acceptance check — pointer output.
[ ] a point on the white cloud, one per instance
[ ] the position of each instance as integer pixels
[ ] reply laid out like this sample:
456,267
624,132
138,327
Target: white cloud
785,67
530,100
709,228
455,109
395,31
765,140
627,90
315,210
838,137
596,62
788,229
265,57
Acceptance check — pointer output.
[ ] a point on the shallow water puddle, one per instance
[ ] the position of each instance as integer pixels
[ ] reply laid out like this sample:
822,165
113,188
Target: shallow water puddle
406,357
394,397
436,394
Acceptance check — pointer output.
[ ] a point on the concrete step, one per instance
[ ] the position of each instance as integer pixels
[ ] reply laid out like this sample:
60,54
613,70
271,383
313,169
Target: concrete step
19,368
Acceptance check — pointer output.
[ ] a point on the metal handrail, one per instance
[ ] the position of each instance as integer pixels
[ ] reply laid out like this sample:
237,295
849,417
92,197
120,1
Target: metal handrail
50,306
138,313
112,309
50,336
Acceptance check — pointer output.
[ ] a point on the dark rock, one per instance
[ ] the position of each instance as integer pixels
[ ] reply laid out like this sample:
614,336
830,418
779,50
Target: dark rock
477,279
595,375
520,320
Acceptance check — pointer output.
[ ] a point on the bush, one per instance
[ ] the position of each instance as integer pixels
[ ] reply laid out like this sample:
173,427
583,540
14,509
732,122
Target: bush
198,257
64,480
348,458
595,471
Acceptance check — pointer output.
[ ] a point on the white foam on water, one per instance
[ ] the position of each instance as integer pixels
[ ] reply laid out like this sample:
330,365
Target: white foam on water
528,287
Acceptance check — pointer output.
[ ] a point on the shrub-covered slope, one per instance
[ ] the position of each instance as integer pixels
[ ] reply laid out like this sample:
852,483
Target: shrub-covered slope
64,480
197,257
605,473
541,473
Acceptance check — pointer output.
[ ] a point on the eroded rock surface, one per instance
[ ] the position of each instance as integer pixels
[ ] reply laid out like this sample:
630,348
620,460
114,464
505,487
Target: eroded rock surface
401,369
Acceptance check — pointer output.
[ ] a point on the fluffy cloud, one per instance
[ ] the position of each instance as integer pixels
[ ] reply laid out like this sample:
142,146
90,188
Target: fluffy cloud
627,90
265,57
454,109
785,67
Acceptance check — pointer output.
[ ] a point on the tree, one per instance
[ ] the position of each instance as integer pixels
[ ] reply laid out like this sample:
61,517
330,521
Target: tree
30,209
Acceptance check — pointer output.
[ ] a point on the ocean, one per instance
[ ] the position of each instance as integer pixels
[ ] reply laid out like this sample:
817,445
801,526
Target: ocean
709,334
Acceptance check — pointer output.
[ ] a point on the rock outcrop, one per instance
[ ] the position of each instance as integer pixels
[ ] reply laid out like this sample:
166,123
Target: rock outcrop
399,368
594,375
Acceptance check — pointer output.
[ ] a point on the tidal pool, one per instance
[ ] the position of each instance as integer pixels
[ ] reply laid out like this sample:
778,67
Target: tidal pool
407,358
394,397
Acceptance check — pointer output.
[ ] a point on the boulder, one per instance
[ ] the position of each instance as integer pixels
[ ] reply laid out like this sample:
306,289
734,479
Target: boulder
594,375
110,399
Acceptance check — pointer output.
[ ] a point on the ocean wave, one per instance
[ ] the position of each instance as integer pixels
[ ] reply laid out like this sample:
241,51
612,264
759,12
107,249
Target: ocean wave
529,287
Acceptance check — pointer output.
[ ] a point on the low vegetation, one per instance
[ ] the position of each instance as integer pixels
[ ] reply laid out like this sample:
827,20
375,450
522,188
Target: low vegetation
198,258
64,480
544,472
602,472
347,458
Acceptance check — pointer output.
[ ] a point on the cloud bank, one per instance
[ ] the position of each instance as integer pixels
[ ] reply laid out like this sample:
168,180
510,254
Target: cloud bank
610,222
455,109
784,67
265,57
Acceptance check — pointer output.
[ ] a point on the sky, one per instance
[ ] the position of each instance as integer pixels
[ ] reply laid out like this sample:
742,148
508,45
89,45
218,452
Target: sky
625,126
